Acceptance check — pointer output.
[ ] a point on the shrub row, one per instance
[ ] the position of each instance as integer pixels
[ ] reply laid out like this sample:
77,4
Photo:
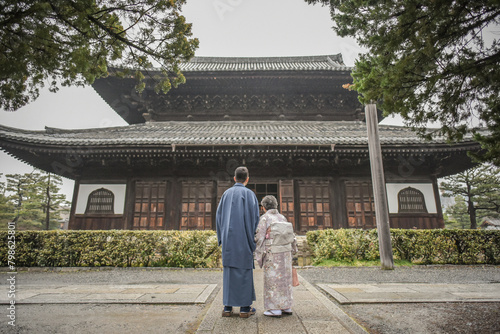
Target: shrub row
195,249
199,249
416,246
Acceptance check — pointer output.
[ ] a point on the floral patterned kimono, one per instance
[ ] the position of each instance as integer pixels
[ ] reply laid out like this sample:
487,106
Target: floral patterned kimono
277,266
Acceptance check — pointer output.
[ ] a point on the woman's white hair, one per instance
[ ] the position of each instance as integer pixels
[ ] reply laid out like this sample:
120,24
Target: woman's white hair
269,202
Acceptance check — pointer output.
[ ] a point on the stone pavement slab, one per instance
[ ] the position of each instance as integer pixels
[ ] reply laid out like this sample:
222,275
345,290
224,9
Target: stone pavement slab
109,293
412,292
157,309
312,313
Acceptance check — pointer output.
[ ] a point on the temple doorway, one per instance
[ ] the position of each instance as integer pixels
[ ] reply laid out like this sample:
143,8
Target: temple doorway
263,189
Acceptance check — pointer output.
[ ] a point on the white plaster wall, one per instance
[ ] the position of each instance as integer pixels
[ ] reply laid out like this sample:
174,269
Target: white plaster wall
426,189
85,190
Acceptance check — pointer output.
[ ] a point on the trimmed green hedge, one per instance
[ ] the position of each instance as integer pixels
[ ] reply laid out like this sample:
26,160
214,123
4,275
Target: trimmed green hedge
117,248
416,246
199,249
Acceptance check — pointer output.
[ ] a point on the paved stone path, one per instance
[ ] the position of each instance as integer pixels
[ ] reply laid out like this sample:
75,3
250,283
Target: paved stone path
312,313
412,293
113,293
166,294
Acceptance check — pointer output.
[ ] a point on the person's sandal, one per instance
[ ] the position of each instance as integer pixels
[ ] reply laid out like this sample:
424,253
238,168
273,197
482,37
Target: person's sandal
288,311
227,312
273,313
246,312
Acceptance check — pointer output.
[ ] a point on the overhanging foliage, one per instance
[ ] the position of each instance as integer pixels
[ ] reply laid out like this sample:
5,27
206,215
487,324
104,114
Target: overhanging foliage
73,42
429,61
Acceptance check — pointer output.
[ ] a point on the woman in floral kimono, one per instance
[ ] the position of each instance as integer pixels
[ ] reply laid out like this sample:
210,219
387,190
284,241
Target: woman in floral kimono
275,245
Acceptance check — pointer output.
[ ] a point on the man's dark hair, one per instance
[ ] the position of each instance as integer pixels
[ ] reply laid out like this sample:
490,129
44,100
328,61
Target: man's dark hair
241,174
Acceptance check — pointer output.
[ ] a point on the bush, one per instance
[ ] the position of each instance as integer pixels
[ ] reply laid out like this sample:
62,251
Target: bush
199,249
116,248
415,246
343,244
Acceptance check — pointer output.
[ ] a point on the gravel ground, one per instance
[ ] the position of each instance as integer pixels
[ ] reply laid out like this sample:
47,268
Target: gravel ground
480,318
414,274
121,275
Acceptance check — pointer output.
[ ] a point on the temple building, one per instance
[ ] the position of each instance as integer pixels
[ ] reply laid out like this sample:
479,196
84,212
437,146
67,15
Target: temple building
288,119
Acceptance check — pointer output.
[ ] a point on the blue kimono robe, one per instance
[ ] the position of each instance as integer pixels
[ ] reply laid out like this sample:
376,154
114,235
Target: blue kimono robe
236,221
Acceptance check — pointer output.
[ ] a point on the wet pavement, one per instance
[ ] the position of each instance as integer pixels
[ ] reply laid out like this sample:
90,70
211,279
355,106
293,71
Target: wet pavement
317,307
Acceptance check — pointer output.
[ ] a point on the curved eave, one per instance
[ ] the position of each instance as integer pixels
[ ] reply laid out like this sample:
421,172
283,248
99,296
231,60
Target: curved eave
39,150
212,87
214,77
230,133
65,151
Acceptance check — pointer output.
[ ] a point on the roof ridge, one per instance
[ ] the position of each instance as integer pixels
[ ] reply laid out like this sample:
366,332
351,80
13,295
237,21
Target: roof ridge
332,62
206,59
13,129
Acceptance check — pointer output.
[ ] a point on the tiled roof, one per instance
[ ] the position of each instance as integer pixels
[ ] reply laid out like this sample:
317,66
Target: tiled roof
217,133
300,63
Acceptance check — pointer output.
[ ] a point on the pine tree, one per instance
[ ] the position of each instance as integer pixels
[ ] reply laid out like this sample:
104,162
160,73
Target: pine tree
457,215
480,188
6,207
51,199
36,199
429,61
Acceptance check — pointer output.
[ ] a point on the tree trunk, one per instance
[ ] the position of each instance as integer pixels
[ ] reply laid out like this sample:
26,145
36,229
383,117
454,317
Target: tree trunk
472,215
470,206
47,205
19,203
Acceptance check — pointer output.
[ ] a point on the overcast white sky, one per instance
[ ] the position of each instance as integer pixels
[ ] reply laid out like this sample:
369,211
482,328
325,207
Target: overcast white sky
224,28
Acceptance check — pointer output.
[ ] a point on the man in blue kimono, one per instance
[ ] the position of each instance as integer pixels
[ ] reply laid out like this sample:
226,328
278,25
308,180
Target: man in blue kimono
237,219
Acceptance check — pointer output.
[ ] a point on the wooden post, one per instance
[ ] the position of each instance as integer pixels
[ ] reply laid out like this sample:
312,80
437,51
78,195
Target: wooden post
379,191
72,218
47,205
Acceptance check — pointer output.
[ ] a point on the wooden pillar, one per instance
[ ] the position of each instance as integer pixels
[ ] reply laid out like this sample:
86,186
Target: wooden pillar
439,208
128,213
74,201
214,205
174,201
379,190
296,206
338,204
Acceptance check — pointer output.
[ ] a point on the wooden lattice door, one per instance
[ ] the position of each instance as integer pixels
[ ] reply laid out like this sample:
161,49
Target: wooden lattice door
149,208
196,212
360,205
314,205
286,201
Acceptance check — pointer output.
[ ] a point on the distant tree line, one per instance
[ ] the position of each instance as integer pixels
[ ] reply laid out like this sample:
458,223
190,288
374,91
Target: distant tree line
477,195
32,201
